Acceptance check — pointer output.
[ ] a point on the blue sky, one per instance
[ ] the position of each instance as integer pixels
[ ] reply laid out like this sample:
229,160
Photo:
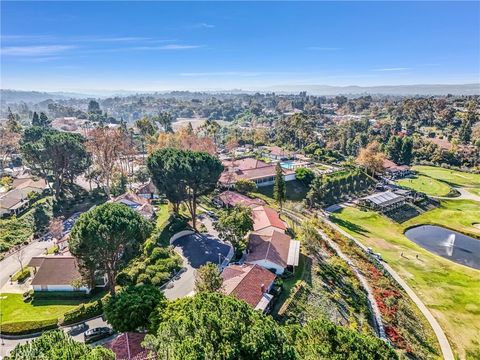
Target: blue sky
223,45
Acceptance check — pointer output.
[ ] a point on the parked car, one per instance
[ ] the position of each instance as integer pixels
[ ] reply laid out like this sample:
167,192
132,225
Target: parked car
77,329
97,334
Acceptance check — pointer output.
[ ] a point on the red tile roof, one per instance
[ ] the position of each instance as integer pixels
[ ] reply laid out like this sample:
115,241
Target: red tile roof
244,164
274,248
232,198
249,169
127,346
247,282
391,166
264,217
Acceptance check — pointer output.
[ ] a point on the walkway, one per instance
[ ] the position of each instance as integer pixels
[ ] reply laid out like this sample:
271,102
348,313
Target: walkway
441,337
464,195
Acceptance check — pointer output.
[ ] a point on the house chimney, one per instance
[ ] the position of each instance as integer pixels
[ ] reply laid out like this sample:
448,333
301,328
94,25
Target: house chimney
263,288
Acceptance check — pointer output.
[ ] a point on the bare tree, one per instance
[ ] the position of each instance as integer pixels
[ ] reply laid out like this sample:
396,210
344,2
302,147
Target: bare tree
20,256
106,146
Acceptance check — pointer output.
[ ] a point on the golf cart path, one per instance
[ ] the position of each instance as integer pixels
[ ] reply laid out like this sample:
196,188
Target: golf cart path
445,347
464,195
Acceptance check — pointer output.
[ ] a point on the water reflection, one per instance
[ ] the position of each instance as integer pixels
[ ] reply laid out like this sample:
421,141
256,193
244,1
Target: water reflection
449,244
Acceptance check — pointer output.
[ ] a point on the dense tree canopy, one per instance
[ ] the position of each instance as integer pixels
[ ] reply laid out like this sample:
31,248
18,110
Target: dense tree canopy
233,224
214,326
130,309
54,153
184,175
208,278
105,238
58,345
323,340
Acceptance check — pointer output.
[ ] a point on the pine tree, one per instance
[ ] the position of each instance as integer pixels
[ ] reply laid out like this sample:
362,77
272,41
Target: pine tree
35,119
279,189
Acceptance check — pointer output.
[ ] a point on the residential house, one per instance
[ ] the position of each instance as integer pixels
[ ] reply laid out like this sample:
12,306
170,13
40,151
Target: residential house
16,200
395,171
58,273
276,251
261,173
250,283
128,346
232,198
148,191
266,220
137,203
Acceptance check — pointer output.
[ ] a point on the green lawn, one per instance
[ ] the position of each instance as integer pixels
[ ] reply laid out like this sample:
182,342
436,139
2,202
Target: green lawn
452,177
426,185
288,284
295,190
13,308
451,291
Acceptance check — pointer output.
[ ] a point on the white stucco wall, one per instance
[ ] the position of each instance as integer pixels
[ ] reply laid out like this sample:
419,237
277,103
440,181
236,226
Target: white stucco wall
60,288
269,265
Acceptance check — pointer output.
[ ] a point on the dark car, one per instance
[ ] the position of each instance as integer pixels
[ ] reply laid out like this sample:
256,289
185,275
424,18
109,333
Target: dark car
97,334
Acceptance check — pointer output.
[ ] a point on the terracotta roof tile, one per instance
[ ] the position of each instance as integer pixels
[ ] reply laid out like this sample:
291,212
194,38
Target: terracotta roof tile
273,248
264,216
232,198
247,282
127,346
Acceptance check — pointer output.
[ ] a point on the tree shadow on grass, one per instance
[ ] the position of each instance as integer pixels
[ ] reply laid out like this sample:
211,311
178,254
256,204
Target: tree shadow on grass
350,226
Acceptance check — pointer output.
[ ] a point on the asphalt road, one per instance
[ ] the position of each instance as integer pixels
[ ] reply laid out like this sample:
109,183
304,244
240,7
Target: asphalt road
196,250
10,264
8,345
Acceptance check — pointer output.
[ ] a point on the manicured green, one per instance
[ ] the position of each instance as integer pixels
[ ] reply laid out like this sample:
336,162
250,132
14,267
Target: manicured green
426,185
15,309
295,190
452,177
449,290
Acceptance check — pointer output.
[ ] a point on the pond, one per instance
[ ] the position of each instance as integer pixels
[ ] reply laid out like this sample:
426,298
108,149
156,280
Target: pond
447,243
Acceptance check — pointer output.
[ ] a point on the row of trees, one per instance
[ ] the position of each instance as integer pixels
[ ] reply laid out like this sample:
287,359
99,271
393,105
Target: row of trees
326,190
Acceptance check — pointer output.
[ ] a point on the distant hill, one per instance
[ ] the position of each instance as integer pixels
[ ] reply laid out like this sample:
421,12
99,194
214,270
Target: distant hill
15,96
460,89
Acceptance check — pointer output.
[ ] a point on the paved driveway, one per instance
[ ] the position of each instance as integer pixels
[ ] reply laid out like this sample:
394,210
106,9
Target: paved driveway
196,250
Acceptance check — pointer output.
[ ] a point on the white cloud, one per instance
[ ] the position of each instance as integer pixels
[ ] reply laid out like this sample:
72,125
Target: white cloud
168,47
35,50
392,69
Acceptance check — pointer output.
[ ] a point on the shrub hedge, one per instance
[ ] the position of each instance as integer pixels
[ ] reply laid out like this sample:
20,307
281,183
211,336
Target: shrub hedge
21,275
28,327
64,295
82,312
